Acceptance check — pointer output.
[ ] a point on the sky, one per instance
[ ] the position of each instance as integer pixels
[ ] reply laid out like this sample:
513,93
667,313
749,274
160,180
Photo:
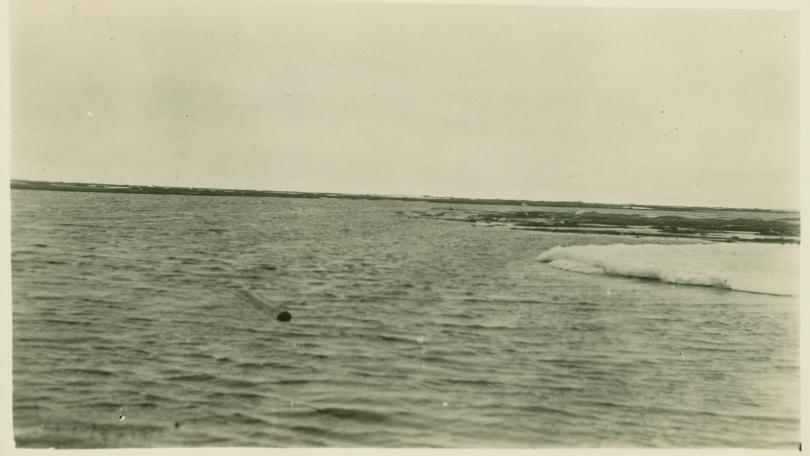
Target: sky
613,105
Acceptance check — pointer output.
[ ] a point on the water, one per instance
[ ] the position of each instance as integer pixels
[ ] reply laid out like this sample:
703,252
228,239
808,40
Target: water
132,327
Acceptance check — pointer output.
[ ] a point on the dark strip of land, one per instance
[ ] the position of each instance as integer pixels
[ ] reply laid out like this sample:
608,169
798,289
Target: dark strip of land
161,190
725,227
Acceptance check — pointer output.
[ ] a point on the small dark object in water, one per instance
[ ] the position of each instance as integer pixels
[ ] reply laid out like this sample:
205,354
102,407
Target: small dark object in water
284,316
176,424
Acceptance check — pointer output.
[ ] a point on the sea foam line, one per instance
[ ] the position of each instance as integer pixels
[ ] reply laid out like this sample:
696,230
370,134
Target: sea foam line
757,268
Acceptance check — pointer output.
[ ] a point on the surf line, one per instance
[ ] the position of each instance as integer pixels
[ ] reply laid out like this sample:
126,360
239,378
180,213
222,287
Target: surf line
282,316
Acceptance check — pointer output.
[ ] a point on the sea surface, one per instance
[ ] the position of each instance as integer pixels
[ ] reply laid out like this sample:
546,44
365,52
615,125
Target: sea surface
150,321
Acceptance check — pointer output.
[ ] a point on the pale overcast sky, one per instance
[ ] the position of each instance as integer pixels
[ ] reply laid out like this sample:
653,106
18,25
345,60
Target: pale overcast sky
695,107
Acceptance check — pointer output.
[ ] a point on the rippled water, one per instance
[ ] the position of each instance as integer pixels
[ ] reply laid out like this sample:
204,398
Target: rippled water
131,329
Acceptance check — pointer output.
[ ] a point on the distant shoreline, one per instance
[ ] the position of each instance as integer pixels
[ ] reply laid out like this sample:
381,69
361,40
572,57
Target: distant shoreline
162,190
722,228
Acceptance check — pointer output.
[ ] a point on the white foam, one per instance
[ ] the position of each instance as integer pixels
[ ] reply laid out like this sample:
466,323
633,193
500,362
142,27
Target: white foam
759,268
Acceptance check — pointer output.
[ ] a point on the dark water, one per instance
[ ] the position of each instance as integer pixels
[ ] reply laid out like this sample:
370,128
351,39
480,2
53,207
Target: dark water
130,329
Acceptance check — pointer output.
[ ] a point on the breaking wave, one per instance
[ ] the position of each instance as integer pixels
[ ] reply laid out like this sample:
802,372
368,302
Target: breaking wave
757,268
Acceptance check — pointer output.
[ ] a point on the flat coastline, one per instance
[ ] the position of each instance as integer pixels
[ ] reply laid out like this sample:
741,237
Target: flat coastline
718,226
713,224
156,189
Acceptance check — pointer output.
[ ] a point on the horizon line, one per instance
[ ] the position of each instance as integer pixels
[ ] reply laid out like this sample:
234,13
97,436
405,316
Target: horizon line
111,188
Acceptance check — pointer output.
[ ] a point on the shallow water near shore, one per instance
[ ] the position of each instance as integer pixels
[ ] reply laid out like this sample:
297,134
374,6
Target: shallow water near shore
132,328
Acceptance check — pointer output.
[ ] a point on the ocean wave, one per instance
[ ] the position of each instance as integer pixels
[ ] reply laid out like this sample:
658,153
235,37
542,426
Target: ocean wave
757,268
